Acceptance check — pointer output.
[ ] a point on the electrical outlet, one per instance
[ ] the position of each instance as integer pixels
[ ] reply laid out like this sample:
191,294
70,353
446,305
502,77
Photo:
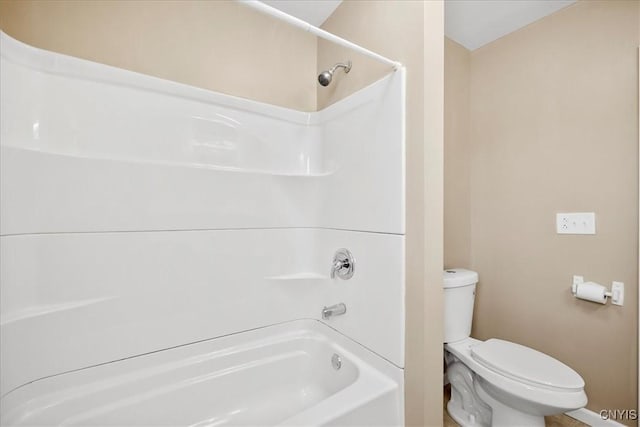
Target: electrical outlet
576,223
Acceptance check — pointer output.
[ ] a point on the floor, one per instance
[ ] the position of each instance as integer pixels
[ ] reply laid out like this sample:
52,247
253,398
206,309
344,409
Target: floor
554,421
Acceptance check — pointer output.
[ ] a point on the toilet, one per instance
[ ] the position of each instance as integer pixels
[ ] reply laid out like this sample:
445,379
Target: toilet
497,382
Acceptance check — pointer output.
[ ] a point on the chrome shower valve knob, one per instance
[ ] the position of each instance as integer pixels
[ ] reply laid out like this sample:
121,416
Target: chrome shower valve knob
343,264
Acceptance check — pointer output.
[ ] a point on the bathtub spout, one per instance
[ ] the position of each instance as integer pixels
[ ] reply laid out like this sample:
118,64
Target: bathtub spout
334,310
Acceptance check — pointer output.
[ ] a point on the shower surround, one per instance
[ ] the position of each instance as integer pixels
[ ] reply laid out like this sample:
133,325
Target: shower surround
161,243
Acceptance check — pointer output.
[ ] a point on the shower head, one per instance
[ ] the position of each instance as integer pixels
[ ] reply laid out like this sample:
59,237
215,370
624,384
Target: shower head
324,78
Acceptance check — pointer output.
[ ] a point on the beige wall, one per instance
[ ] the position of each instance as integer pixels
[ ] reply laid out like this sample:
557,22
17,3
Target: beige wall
457,156
412,34
554,128
218,45
432,261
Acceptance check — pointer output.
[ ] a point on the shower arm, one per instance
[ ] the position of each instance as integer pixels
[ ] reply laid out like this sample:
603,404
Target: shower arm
347,67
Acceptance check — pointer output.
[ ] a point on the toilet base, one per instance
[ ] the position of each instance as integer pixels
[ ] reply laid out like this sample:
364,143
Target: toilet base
505,416
465,406
460,416
472,406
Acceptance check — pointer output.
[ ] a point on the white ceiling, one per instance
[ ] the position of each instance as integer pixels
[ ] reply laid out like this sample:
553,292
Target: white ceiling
315,12
472,23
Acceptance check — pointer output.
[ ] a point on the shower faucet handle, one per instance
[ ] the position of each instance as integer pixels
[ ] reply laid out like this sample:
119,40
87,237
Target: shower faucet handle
343,264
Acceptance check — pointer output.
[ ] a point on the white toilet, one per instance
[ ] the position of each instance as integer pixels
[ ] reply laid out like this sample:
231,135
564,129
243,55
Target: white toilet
496,382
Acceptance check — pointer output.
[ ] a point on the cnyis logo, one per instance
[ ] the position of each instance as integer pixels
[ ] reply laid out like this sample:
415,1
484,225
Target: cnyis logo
619,414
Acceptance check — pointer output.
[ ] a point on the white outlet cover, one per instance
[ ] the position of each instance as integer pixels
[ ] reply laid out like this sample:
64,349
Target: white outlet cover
576,223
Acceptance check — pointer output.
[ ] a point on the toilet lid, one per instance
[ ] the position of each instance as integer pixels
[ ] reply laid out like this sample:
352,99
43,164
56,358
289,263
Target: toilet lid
526,365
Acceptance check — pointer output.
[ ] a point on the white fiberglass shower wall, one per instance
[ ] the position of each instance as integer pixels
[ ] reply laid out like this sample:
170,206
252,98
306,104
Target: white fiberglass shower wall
161,242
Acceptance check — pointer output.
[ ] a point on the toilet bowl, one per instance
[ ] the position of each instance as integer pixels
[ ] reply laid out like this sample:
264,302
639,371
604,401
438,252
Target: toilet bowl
496,382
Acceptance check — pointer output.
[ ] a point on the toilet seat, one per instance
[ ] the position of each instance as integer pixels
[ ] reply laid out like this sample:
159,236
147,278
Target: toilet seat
526,365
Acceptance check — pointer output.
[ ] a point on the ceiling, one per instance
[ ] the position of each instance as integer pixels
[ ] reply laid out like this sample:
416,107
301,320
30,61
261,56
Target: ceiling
315,12
472,23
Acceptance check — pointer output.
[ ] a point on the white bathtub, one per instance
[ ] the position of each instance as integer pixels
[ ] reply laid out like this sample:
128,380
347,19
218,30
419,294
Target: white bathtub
277,375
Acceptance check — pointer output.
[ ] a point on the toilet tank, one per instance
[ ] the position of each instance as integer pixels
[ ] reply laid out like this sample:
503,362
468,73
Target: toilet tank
459,294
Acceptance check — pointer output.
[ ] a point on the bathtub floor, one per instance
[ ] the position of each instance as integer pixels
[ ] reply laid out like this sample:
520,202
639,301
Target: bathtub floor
554,421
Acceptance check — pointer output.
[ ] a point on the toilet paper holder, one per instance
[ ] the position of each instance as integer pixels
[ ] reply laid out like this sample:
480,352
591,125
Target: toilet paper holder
592,291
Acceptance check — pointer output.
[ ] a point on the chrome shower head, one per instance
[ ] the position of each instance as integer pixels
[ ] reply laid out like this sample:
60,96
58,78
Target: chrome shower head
325,77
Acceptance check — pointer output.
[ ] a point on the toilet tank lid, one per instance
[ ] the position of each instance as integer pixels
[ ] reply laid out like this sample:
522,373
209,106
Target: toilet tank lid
526,365
456,277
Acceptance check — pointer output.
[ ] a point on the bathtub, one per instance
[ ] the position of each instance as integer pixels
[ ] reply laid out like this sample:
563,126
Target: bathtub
299,373
161,248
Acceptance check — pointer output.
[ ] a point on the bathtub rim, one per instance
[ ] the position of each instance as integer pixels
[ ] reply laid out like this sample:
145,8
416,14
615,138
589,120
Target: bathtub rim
372,369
